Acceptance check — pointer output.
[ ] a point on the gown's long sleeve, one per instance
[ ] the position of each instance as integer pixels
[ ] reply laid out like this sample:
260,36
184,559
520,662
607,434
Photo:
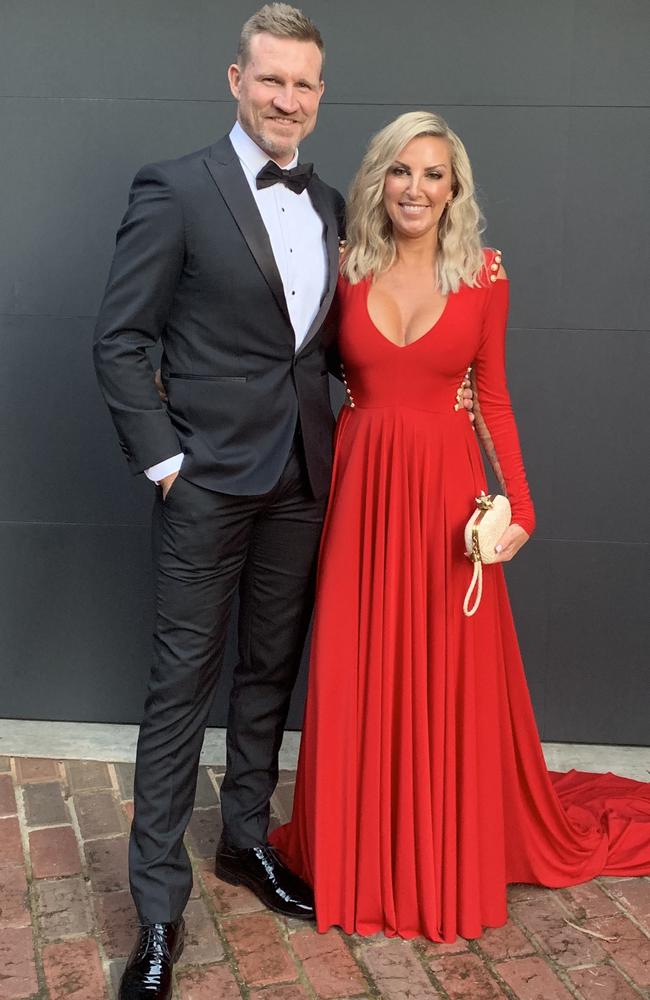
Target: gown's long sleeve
496,407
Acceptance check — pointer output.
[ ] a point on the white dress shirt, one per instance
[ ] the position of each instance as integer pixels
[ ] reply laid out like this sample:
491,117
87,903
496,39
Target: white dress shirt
296,233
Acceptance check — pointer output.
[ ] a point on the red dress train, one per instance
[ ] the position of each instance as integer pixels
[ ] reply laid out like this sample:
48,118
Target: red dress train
421,788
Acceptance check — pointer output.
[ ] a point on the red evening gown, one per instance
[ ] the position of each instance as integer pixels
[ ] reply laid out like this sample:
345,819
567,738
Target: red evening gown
421,788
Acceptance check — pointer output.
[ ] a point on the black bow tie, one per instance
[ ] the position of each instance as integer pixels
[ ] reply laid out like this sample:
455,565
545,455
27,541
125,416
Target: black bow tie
295,179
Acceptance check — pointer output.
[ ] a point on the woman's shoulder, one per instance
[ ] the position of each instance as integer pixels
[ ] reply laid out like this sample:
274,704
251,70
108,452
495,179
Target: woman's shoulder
486,279
492,264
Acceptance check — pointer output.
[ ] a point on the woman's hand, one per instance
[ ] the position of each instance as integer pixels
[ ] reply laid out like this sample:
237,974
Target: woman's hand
510,542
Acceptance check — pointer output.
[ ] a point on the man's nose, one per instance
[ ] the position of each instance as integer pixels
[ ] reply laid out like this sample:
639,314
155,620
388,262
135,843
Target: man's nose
286,101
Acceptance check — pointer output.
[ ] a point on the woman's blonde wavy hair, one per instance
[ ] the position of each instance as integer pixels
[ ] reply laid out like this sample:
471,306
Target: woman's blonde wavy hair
370,247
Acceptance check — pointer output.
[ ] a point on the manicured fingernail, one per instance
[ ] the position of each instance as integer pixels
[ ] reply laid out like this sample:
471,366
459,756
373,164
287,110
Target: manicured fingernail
498,548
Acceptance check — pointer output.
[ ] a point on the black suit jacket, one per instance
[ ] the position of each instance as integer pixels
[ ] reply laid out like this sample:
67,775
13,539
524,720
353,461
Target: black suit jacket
194,268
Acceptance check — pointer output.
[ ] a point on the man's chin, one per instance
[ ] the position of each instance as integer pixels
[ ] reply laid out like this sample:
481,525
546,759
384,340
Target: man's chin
278,146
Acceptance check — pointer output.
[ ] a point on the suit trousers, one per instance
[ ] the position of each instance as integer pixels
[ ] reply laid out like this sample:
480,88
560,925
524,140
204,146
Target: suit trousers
209,547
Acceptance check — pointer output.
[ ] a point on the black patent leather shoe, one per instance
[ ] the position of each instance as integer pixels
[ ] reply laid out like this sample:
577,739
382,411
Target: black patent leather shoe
262,871
148,973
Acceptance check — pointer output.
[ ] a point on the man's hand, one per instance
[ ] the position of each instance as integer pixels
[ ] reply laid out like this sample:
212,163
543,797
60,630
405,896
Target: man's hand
468,398
159,385
510,542
465,395
166,484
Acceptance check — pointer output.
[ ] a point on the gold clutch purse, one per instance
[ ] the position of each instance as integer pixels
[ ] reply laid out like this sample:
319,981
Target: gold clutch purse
482,532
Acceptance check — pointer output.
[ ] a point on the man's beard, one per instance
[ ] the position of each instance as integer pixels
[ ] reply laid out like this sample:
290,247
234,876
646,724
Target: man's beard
272,146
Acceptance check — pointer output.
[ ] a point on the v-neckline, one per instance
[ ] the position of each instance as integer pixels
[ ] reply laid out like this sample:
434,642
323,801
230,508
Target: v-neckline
412,343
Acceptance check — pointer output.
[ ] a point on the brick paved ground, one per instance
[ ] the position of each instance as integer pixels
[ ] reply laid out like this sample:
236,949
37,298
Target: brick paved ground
66,919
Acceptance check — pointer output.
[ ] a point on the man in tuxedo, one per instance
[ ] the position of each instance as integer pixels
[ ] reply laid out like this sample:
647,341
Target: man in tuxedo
229,257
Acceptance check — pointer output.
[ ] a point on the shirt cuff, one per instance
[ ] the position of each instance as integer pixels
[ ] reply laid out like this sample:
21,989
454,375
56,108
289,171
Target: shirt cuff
162,469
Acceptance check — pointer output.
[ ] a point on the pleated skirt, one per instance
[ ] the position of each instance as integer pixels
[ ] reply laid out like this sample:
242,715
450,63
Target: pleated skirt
422,790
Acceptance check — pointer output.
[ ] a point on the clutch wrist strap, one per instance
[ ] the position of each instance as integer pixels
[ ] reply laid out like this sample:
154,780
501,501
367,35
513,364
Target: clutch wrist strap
477,581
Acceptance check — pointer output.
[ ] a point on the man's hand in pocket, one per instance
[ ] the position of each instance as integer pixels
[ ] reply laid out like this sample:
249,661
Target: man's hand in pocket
166,484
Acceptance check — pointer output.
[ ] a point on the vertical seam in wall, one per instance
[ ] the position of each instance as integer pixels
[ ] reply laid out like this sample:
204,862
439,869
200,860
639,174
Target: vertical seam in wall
567,115
572,63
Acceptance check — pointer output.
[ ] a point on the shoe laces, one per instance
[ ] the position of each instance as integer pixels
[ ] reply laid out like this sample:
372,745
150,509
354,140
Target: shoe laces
269,854
152,939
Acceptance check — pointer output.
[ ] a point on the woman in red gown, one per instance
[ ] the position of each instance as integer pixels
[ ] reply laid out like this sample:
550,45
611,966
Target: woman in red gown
422,790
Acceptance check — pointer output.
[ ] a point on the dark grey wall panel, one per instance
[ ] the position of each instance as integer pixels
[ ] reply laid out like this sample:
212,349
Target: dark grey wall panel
85,48
598,640
610,52
605,253
581,615
571,393
75,619
467,52
600,435
61,461
550,100
71,164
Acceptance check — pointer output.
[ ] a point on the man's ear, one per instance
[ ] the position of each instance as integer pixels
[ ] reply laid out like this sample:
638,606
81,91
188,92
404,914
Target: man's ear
234,79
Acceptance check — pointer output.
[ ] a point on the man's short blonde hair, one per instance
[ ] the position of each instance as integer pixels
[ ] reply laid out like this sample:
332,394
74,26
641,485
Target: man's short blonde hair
282,21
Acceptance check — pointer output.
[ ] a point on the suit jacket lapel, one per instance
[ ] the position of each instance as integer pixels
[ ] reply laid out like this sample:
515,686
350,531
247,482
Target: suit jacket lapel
322,204
226,172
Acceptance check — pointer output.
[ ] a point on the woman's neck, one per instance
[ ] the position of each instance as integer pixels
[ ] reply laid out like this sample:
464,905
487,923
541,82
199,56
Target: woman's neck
416,255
